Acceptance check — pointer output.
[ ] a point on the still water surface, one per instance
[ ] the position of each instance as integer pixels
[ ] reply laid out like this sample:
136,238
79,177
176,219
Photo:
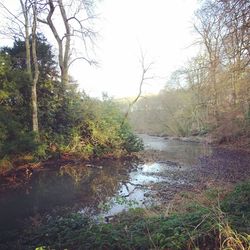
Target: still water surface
99,190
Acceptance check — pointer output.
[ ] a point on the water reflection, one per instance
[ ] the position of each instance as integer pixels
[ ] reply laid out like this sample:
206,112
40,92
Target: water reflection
78,174
70,188
185,153
82,188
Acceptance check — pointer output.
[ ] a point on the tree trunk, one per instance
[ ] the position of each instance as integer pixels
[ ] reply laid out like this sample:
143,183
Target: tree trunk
65,73
32,78
27,42
36,73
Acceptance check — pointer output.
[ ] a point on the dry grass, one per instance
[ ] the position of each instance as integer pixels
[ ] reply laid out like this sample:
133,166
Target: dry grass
231,240
210,197
5,165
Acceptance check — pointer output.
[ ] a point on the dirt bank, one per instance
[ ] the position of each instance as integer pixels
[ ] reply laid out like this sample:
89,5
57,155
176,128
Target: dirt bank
222,167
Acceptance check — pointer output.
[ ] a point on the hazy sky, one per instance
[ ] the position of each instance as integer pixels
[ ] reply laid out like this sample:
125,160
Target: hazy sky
160,28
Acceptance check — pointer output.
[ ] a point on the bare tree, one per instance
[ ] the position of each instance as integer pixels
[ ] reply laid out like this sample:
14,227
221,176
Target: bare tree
145,68
237,23
209,25
224,27
24,24
36,70
236,41
75,17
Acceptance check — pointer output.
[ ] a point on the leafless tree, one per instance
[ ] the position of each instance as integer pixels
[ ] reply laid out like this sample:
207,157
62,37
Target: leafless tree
35,75
209,25
75,16
24,24
145,68
236,41
237,23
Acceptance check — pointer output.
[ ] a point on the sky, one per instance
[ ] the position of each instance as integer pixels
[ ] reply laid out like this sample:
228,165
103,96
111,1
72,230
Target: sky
160,29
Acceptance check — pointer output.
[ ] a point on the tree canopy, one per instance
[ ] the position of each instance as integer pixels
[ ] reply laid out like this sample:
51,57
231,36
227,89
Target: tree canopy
69,120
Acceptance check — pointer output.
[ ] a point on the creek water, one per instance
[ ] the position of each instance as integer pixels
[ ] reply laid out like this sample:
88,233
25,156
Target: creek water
100,190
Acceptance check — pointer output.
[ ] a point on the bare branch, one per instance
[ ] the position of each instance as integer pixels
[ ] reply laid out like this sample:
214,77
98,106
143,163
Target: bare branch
145,69
13,15
90,62
73,27
42,21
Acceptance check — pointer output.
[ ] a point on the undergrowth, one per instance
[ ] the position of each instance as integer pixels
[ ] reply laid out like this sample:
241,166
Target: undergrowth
219,224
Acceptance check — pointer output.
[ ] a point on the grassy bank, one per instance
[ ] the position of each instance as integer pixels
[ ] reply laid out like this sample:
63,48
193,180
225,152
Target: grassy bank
218,220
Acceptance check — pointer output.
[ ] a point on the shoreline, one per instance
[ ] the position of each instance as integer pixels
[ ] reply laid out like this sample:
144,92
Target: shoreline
240,143
17,176
23,169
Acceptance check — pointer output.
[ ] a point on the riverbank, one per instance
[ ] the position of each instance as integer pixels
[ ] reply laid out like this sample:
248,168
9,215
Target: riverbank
21,172
169,166
217,219
215,166
235,143
12,165
71,197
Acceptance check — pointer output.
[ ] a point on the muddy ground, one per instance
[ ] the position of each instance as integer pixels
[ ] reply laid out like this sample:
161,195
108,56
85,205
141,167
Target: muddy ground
222,168
218,166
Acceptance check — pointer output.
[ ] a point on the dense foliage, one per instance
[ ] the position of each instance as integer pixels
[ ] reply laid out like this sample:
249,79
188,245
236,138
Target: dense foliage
69,120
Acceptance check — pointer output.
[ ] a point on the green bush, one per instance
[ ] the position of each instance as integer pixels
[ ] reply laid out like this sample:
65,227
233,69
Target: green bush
15,139
199,228
69,120
24,143
41,151
132,143
237,203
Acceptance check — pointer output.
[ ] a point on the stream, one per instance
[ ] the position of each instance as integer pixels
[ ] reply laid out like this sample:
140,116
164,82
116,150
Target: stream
106,189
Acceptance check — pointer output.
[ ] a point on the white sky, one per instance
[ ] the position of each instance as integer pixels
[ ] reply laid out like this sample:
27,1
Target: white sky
160,28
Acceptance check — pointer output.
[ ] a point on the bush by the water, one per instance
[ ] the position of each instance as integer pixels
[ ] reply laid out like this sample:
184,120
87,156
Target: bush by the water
69,121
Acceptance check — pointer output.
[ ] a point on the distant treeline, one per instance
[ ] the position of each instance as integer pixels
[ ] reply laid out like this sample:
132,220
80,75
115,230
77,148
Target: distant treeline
212,92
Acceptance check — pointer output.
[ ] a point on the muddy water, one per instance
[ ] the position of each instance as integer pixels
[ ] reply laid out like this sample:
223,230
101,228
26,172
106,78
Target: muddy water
183,152
101,190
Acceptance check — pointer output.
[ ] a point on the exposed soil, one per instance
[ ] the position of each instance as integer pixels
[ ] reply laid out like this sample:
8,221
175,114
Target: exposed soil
218,166
222,167
160,174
